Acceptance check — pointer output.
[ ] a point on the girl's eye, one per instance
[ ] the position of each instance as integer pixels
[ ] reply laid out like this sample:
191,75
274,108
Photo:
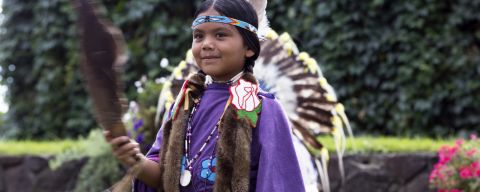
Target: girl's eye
197,36
221,35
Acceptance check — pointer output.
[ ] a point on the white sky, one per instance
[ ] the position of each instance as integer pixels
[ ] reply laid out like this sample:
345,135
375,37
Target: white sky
3,89
1,9
3,105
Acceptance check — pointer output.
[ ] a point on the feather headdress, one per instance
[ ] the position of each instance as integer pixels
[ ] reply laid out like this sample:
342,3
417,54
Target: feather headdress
297,82
299,85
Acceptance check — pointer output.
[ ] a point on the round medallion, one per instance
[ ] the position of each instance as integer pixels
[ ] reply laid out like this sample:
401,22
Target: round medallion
185,178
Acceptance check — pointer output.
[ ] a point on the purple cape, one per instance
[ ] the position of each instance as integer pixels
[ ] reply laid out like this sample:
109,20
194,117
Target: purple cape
274,165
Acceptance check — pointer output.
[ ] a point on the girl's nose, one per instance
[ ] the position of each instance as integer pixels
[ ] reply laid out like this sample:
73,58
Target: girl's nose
207,44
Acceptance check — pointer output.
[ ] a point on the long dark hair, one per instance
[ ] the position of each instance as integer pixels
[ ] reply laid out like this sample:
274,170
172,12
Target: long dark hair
242,10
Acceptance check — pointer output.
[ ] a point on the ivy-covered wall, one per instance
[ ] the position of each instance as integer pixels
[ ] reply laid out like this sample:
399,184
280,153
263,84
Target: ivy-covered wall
400,67
39,56
38,60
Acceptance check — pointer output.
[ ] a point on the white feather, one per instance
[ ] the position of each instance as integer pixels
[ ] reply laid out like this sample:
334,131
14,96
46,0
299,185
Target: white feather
307,167
280,85
263,24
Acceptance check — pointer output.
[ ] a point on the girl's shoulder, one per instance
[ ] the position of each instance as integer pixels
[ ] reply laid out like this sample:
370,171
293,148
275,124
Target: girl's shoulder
272,111
264,94
269,101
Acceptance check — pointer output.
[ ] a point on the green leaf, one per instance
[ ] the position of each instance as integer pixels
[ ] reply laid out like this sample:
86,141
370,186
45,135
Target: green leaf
252,116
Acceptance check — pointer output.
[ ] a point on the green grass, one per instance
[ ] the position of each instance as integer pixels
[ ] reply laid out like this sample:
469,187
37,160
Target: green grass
93,144
362,144
35,147
367,144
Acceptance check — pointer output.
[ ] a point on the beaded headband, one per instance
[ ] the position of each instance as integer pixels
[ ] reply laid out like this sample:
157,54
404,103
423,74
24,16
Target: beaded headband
226,20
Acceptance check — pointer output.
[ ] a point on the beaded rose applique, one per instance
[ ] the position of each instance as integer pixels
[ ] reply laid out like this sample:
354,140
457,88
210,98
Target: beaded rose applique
246,101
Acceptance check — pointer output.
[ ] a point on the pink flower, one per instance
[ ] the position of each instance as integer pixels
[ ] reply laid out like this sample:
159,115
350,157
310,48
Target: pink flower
473,137
453,150
244,95
459,142
475,165
437,166
449,190
457,168
450,173
444,159
445,154
432,176
471,152
466,173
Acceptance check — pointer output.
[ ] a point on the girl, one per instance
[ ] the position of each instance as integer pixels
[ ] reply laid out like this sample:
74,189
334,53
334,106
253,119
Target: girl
222,134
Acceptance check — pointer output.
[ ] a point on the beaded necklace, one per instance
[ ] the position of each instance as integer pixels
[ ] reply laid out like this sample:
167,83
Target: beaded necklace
186,175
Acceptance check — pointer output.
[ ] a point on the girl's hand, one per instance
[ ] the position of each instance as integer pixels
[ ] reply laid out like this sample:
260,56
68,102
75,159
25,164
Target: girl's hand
126,151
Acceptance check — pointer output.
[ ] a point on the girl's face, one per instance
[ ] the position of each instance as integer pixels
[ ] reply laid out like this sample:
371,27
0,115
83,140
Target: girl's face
219,49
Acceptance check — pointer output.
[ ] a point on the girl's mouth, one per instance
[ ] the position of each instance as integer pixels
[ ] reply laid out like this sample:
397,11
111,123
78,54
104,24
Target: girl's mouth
210,57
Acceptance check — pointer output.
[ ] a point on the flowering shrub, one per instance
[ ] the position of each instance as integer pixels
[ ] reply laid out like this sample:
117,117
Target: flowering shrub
135,125
140,117
458,167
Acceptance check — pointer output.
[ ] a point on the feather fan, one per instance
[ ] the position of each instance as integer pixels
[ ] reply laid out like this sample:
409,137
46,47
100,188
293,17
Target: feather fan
103,57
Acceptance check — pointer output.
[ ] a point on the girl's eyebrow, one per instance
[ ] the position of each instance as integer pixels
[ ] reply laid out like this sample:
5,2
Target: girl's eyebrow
213,30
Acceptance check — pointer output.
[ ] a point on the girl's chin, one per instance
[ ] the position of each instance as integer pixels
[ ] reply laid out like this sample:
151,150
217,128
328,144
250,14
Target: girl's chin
211,70
215,75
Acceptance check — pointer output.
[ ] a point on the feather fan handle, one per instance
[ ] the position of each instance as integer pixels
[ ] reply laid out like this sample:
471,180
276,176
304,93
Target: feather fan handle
260,7
103,57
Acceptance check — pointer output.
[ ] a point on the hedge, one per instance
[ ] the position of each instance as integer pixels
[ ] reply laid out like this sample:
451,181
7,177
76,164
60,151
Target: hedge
400,67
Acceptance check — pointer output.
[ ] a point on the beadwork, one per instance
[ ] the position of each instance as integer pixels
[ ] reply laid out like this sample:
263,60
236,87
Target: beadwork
226,20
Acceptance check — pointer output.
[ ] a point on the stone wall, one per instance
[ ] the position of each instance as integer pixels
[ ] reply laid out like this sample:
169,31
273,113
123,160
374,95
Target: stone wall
32,173
363,173
383,172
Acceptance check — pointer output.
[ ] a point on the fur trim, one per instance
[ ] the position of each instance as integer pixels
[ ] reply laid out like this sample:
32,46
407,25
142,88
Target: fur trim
233,153
172,152
197,85
166,134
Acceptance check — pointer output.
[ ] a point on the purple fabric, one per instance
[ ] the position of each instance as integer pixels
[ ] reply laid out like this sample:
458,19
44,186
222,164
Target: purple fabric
274,165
